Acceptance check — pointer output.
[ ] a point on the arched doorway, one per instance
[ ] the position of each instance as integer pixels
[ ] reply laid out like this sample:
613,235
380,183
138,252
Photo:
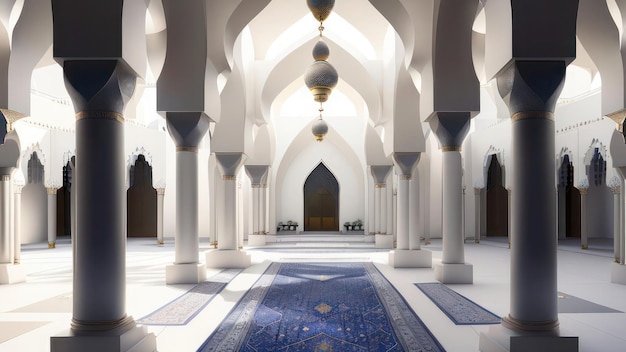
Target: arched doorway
321,201
599,198
569,201
497,201
142,200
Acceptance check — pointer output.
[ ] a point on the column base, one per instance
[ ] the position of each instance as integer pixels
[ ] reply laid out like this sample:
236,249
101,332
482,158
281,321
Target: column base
192,273
52,245
135,339
618,273
383,241
407,258
11,274
501,339
227,259
454,273
256,240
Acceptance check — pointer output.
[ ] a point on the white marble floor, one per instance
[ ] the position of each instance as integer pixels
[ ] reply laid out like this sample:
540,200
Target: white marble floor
31,312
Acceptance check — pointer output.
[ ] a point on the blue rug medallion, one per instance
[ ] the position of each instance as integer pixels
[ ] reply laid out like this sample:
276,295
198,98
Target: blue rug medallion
321,307
458,308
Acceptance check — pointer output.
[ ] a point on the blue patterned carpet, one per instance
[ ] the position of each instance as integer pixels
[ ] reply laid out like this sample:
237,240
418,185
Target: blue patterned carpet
184,308
322,307
458,308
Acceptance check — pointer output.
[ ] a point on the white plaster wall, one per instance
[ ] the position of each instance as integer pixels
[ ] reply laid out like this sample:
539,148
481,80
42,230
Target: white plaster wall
349,175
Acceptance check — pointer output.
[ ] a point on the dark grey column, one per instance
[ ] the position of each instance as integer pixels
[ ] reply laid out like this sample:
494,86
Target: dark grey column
531,88
99,90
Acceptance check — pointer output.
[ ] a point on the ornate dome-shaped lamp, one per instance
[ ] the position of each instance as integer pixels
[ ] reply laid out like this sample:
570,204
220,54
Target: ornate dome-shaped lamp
321,77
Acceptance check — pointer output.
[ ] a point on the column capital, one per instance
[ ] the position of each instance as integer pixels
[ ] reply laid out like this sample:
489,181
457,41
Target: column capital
477,191
257,173
531,87
51,190
380,173
256,185
5,178
187,129
380,185
583,190
229,163
160,191
405,163
450,128
115,84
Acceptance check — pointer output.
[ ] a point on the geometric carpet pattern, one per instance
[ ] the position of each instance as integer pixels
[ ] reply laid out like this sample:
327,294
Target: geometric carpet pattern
184,308
461,310
322,307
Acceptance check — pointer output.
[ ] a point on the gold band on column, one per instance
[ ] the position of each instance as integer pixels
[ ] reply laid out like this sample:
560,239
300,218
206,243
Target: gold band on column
532,115
5,178
229,177
51,190
100,115
450,148
405,177
380,185
582,190
160,191
256,185
52,245
187,149
477,191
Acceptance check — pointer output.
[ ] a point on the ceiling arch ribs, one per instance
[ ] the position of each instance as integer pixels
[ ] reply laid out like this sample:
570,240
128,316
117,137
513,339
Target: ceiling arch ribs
293,66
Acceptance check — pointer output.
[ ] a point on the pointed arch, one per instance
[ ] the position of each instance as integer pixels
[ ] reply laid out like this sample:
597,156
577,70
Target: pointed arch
321,200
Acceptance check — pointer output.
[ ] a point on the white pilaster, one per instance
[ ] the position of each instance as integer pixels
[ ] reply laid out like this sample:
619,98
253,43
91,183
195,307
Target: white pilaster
52,216
160,200
453,268
186,268
227,254
616,222
477,215
584,243
17,220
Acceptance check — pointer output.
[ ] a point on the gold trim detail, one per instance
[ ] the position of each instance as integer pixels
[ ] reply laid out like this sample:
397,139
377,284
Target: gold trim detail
256,185
100,115
5,178
450,148
229,177
405,177
582,190
532,115
380,185
187,149
160,191
16,261
52,191
618,117
52,245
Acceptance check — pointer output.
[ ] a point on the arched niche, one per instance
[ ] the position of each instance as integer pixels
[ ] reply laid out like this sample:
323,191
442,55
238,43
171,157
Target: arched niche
599,205
142,200
321,200
34,203
568,201
497,200
64,213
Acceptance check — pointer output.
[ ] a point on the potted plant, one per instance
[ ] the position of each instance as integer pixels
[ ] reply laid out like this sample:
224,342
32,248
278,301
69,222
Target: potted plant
357,224
347,225
280,226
